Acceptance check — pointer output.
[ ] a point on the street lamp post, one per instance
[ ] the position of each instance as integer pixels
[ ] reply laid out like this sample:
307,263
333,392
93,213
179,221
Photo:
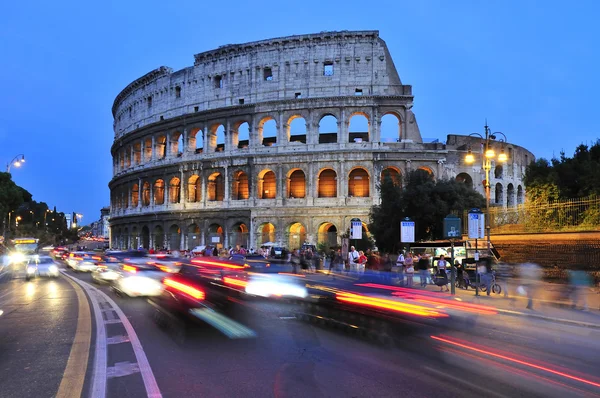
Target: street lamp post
17,160
488,155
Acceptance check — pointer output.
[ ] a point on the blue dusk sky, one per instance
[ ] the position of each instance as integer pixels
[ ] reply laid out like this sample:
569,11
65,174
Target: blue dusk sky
529,67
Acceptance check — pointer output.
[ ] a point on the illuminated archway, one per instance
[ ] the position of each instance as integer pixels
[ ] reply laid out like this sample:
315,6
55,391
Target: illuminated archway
267,185
327,235
297,184
327,184
159,192
393,173
296,235
239,186
358,183
215,188
266,233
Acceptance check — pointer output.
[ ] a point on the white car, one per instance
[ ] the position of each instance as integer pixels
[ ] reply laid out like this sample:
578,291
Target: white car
41,266
138,278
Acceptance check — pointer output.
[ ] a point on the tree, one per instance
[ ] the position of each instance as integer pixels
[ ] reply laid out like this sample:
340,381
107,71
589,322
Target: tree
11,195
425,201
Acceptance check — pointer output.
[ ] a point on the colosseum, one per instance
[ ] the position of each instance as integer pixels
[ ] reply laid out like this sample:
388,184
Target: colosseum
281,140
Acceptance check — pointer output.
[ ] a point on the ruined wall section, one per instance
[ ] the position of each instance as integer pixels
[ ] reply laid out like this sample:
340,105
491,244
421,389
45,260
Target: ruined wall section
328,64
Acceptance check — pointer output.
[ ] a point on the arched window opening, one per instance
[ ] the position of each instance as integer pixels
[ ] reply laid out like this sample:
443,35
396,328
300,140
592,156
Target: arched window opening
216,188
240,189
266,234
391,128
498,172
358,130
135,195
193,236
121,161
174,237
465,179
239,236
137,153
267,185
148,150
393,174
427,169
243,136
194,189
358,183
520,195
296,236
135,238
159,192
218,138
215,235
125,199
297,129
327,235
328,130
174,190
267,131
145,237
159,237
327,184
297,184
128,157
176,144
196,140
160,147
510,195
146,194
499,194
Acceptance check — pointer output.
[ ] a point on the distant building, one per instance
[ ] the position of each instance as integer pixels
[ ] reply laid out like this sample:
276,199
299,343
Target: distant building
104,217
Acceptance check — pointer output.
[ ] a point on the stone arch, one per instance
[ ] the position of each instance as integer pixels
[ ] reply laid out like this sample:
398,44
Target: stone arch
175,190
499,198
328,129
240,189
125,198
160,146
146,194
296,234
121,161
216,187
391,127
137,153
296,184
359,127
358,183
176,138
267,131
510,195
147,149
265,233
159,192
158,235
498,172
193,232
128,156
239,235
520,195
217,137
135,195
135,238
296,129
394,173
196,140
327,234
145,237
267,184
427,169
241,135
125,238
215,235
174,237
465,178
194,189
327,184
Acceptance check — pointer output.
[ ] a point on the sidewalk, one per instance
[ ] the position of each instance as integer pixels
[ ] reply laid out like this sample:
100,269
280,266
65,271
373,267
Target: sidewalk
545,306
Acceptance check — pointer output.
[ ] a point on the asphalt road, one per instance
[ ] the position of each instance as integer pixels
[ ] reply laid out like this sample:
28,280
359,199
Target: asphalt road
491,356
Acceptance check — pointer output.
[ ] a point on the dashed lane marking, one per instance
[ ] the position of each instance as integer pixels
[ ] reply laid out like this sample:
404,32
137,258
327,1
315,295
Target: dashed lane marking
117,340
122,369
71,384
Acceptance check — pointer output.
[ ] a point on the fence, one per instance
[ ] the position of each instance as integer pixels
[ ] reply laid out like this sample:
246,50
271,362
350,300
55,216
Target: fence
572,215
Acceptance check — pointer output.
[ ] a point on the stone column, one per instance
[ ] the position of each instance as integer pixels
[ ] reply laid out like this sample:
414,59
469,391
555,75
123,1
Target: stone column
226,197
342,180
228,137
203,183
168,138
282,138
139,203
375,125
343,136
181,185
205,143
310,181
153,157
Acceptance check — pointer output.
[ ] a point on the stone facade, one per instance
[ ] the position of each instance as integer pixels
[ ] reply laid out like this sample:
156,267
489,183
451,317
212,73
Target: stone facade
233,150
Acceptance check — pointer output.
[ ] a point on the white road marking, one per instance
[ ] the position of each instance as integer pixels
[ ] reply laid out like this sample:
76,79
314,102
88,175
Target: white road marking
122,369
100,364
117,340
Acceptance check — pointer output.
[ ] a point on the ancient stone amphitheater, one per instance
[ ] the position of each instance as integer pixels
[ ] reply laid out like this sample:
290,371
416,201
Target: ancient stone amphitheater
281,140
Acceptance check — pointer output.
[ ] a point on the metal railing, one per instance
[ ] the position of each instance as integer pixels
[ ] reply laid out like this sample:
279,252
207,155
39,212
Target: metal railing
571,215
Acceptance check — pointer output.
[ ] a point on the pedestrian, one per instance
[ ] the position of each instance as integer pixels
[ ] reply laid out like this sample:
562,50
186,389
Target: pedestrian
409,269
408,262
441,266
423,264
362,261
386,265
353,259
580,282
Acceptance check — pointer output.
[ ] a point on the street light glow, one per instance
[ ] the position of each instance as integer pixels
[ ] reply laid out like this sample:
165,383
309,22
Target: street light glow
502,157
490,154
469,158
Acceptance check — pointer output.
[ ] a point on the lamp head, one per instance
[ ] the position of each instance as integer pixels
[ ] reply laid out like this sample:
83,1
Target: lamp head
469,158
502,157
490,154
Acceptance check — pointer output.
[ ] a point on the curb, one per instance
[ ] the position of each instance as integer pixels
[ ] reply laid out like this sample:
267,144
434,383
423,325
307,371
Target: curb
550,319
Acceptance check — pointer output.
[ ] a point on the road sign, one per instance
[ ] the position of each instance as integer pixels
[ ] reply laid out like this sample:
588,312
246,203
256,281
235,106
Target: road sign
355,228
476,224
452,227
407,231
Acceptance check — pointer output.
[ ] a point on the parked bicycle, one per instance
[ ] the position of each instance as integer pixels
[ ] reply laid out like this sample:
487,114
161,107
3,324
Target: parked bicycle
496,288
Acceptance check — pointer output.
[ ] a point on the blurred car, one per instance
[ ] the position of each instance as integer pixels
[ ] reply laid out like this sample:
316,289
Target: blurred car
106,272
137,278
165,262
58,252
253,262
41,266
